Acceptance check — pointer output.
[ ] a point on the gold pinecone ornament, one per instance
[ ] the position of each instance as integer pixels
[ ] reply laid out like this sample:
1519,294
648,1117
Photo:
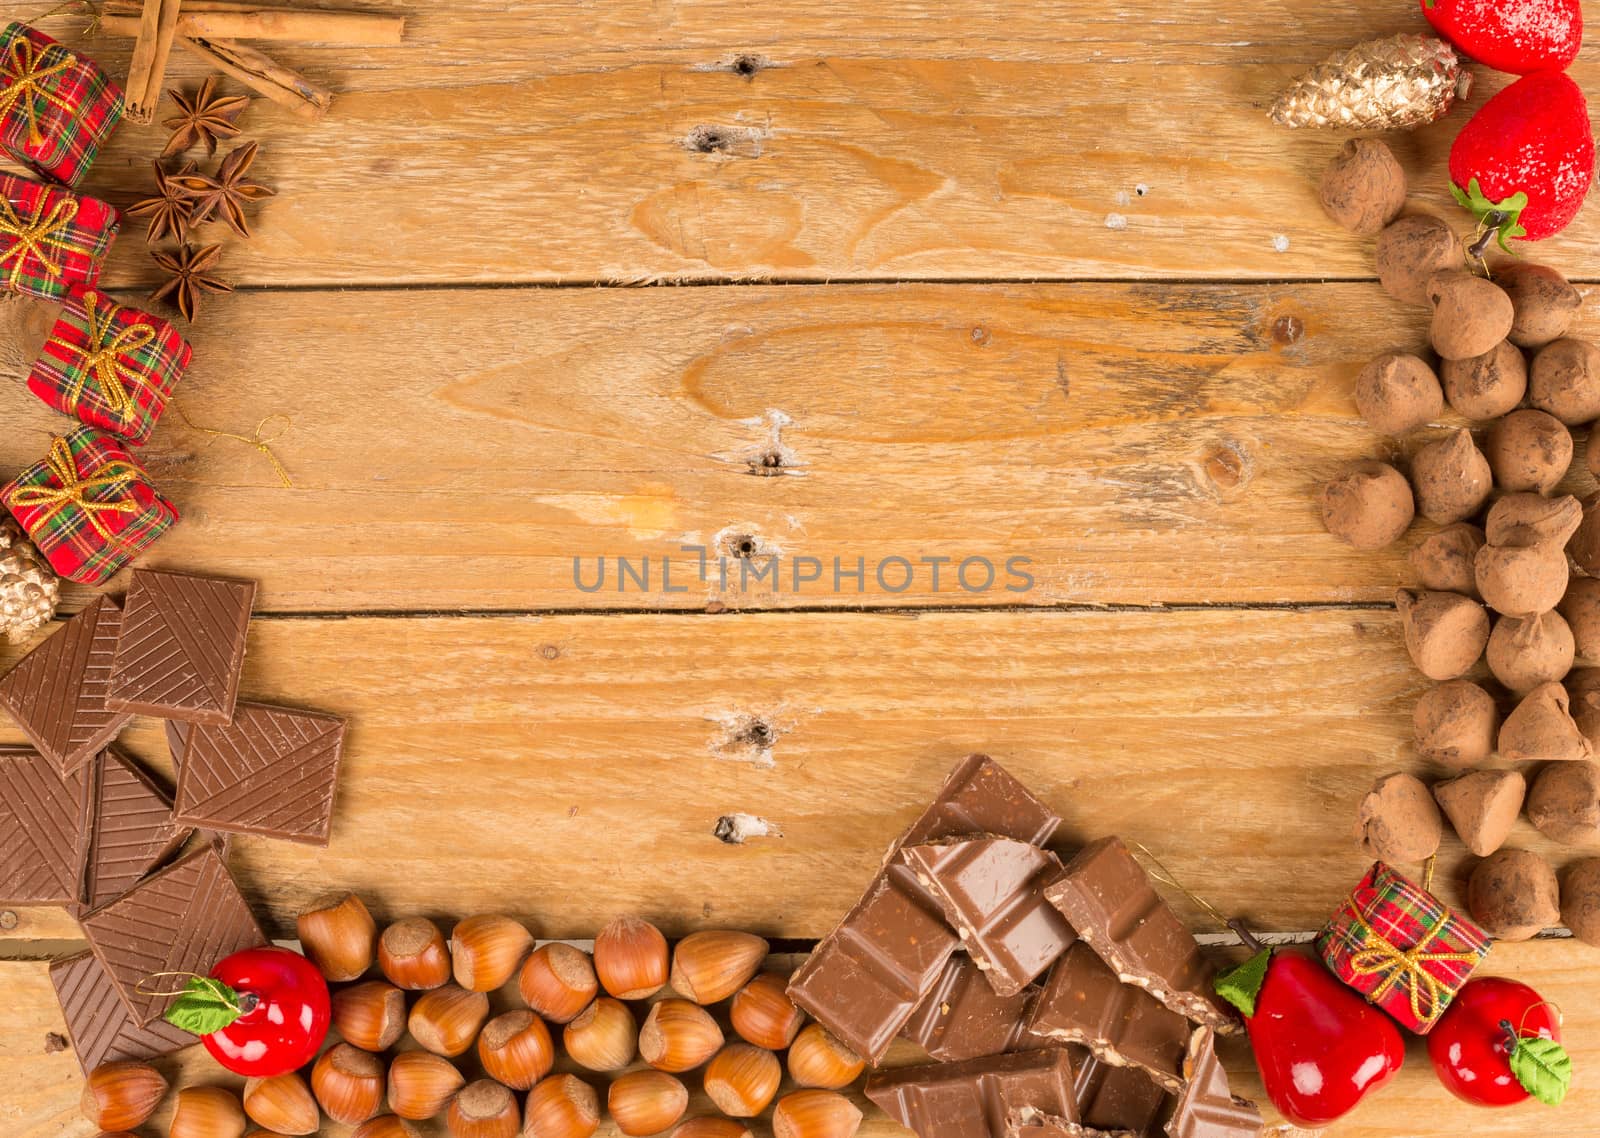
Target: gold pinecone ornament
1395,83
29,589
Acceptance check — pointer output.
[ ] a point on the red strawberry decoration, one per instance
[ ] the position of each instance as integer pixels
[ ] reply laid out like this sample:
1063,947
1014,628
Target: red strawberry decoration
1524,162
1519,36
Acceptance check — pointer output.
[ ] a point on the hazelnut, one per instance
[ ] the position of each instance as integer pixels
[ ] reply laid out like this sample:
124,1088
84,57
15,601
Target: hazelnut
1518,580
1410,251
412,954
1564,801
483,1109
1368,506
1364,188
446,1020
1443,560
339,936
646,1102
1526,651
1580,899
763,1014
741,1080
421,1084
1445,632
371,1015
630,958
1451,478
603,1037
1486,386
1398,392
562,1106
1399,820
382,1126
283,1104
558,982
122,1095
348,1083
1529,450
1581,610
708,967
1565,381
1512,894
815,1114
515,1049
1541,728
206,1112
1455,724
487,950
1470,315
712,1127
1584,544
678,1036
1541,298
1482,807
1525,519
818,1059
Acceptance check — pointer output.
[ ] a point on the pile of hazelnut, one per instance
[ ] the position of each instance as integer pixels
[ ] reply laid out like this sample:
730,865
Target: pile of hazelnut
492,1076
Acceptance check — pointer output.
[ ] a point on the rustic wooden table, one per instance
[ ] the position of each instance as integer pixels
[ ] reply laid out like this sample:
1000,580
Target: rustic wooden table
970,280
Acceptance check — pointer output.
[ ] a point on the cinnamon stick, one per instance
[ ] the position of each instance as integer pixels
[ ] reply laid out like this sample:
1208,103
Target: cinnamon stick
158,25
262,73
230,19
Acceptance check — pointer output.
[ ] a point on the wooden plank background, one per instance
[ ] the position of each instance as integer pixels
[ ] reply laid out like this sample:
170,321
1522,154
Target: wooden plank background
974,280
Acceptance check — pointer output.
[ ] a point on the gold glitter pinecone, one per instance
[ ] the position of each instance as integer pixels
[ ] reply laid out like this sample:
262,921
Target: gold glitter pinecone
1395,83
28,586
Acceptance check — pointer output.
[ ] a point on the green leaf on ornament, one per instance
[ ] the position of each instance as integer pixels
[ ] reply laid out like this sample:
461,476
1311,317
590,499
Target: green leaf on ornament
1241,984
1543,1067
1503,216
205,1005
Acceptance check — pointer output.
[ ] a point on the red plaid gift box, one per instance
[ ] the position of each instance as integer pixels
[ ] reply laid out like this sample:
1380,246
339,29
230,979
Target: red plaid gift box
56,108
51,240
112,367
88,506
1402,947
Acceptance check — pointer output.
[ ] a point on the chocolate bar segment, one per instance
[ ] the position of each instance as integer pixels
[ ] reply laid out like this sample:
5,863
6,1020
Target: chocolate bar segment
1113,1102
99,1025
1207,1108
132,831
1107,897
1083,1002
871,972
271,771
43,817
183,918
964,1018
182,646
57,692
974,1099
991,891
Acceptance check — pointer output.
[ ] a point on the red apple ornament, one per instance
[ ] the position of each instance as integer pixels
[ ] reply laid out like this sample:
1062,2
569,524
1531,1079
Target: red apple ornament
1499,1042
1320,1047
262,1012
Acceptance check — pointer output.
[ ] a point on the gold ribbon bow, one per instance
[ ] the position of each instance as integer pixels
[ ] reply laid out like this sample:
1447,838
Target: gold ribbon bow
35,234
100,356
25,76
1396,965
64,470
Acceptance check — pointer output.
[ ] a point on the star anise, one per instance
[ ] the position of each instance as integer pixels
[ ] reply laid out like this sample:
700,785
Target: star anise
189,277
225,195
170,210
203,118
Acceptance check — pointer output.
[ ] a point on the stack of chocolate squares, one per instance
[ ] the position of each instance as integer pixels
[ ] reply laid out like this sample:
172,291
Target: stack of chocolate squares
947,948
83,826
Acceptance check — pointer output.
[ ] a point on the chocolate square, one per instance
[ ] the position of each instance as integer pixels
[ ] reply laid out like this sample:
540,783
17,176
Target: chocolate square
964,1018
1207,1108
974,1099
1113,1102
101,1029
182,646
43,817
133,830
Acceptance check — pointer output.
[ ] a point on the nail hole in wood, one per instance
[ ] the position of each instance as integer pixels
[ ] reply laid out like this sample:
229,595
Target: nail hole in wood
768,464
708,140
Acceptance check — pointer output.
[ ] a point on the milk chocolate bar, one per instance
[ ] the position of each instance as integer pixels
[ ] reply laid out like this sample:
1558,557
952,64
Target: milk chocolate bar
1083,1002
1207,1108
43,823
964,1018
131,828
99,1025
1107,897
974,1099
871,972
991,891
181,648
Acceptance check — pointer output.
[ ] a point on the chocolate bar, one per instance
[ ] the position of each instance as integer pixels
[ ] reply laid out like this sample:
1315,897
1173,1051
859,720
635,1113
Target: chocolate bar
871,972
1083,1002
101,1029
271,771
1107,897
43,817
182,647
57,692
991,891
1113,1102
183,918
131,828
974,1099
1207,1108
964,1018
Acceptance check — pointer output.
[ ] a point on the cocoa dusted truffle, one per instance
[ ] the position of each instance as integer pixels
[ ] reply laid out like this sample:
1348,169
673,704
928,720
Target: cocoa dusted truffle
1445,632
1580,899
1443,560
1584,544
1541,728
1410,251
1542,299
1470,315
1364,187
1564,801
1451,478
1580,608
1583,690
1399,820
1520,580
1526,518
1565,381
1529,450
1368,506
1486,386
1455,724
1513,895
1526,651
1397,392
1482,807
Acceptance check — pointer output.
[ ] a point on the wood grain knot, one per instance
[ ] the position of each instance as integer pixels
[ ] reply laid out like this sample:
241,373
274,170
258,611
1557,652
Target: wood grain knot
1225,466
981,336
550,651
1288,329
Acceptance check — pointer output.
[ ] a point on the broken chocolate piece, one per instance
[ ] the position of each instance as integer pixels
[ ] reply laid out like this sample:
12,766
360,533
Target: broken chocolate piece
57,692
132,828
1207,1108
101,1029
1113,1102
964,1018
871,972
42,827
991,891
1109,900
272,771
1084,1002
974,1099
182,646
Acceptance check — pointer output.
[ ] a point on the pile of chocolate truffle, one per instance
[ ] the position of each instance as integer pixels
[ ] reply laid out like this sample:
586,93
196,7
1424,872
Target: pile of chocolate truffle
1494,567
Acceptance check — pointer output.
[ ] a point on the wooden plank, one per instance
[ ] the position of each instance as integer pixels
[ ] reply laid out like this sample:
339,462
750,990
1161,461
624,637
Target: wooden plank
571,767
847,160
43,1088
459,449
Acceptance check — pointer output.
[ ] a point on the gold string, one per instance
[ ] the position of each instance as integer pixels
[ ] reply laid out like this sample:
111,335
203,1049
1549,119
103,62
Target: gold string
27,76
100,356
32,235
1395,966
1162,874
144,991
264,445
64,469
